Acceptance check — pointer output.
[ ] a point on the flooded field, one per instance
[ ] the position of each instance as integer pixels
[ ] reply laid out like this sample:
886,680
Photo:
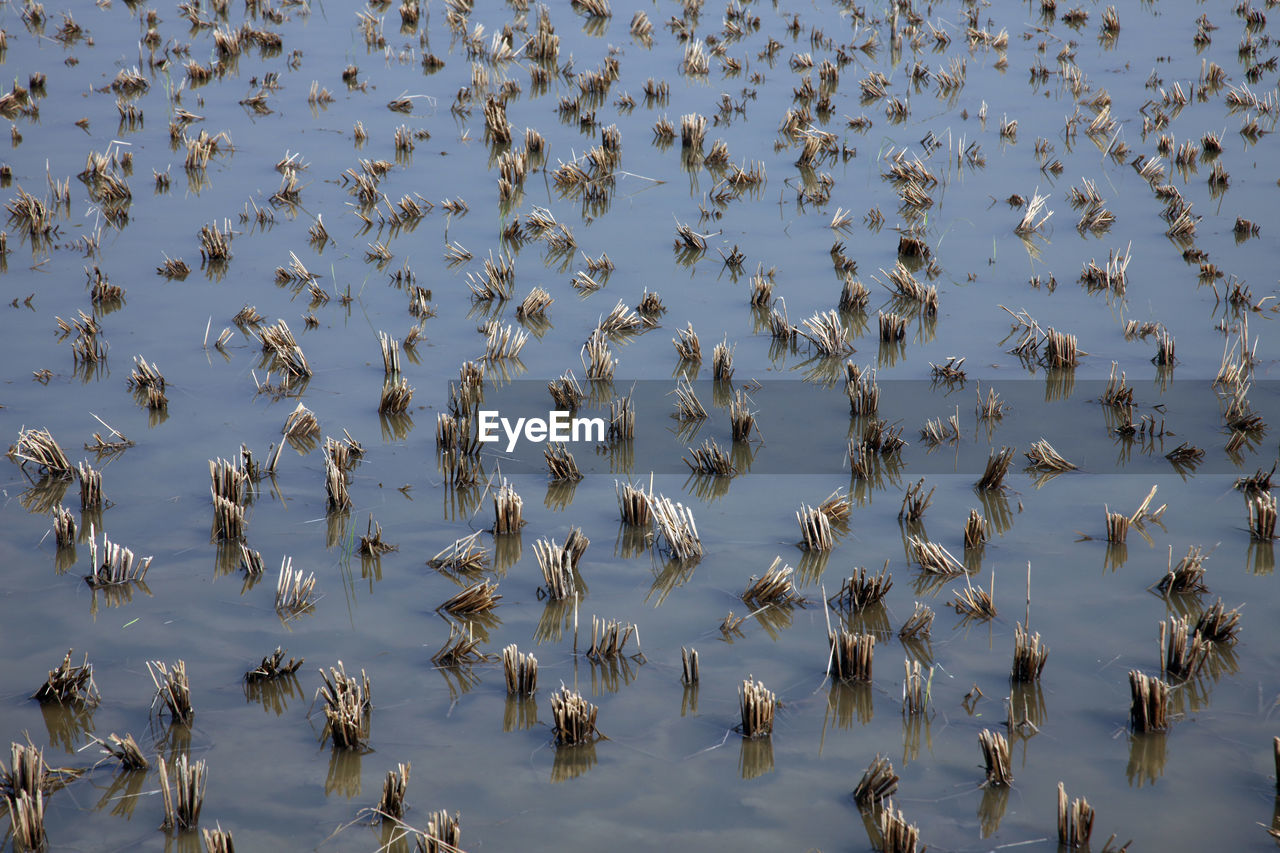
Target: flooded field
265,264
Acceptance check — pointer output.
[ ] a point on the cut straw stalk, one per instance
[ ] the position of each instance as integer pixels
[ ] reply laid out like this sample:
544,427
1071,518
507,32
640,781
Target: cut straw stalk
184,795
851,655
757,705
1075,822
878,783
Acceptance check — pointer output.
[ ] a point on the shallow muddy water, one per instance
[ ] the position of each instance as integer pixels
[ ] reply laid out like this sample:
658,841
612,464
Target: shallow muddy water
671,771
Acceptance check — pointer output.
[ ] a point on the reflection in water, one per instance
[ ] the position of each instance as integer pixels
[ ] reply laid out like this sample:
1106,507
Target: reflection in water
64,559
459,679
707,487
873,619
1059,383
919,648
479,625
810,567
611,674
1189,697
890,353
774,619
173,742
755,758
995,799
273,694
1026,701
1179,604
461,502
1261,559
845,700
1148,752
43,497
560,495
337,528
929,584
507,548
631,541
689,701
90,520
743,455
556,618
622,456
226,558
395,427
882,473
115,595
674,573
913,727
183,842
343,777
995,509
371,568
973,558
123,794
519,713
822,370
66,723
1116,555
572,761
393,837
